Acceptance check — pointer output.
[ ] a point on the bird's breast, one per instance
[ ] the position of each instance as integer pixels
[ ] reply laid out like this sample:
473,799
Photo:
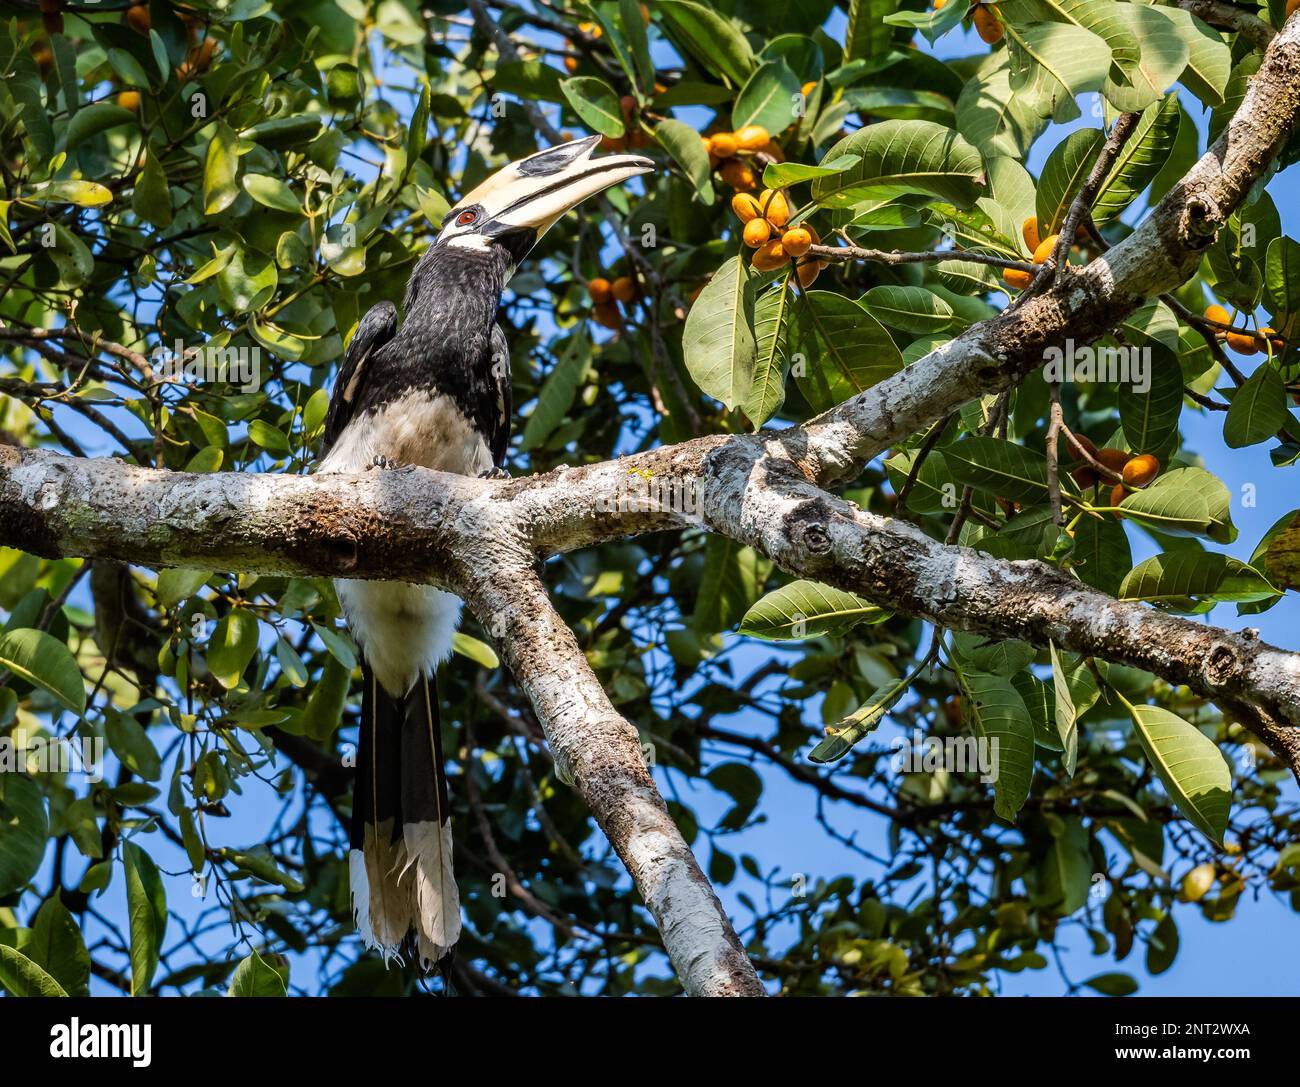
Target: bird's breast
421,427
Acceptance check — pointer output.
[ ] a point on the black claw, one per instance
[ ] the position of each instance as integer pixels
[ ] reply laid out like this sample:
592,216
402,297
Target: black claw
387,465
494,473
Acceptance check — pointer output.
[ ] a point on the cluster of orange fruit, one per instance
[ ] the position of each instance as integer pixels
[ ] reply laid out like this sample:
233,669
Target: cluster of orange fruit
766,217
1244,343
1135,472
729,150
1014,277
605,297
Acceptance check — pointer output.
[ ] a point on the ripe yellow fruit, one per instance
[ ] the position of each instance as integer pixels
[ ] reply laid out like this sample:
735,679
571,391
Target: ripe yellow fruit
723,144
775,210
570,64
1014,277
1197,882
738,175
771,256
129,100
137,18
808,88
808,271
592,30
1218,314
987,24
624,289
745,207
1269,335
757,232
1029,231
598,290
1141,470
1117,495
1243,343
938,4
1045,248
752,138
796,241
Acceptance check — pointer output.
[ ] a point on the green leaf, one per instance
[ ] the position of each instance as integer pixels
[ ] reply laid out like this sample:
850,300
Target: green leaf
772,322
1052,63
1162,948
596,102
219,171
179,584
1282,275
687,149
1150,417
232,646
1139,160
1184,502
714,40
913,309
471,648
131,744
1258,409
558,390
340,646
46,662
718,343
998,714
96,119
841,737
1162,56
1115,984
151,198
56,945
993,118
768,98
729,585
271,192
899,157
1178,579
1192,768
868,34
838,349
22,977
24,828
1209,58
1075,693
1064,173
260,863
808,609
324,708
258,976
999,468
780,175
146,902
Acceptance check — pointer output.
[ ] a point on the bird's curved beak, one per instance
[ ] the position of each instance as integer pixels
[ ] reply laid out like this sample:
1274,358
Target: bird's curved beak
519,203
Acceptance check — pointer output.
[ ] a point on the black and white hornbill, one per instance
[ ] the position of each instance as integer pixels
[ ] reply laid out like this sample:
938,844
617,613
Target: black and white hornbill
433,391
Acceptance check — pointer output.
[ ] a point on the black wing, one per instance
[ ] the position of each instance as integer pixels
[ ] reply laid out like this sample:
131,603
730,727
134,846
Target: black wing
500,384
376,328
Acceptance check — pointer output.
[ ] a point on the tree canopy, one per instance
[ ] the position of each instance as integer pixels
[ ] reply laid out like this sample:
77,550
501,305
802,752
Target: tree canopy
884,451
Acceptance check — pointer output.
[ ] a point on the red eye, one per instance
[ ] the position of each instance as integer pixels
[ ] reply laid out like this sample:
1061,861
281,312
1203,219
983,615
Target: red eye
466,217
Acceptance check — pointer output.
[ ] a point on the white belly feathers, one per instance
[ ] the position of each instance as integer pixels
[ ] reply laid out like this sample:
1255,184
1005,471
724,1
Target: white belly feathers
405,630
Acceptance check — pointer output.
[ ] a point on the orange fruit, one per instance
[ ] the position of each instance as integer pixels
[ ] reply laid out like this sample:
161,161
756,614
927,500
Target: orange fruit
796,241
570,64
1045,248
1029,231
808,271
723,144
624,289
757,232
769,257
607,315
1014,277
129,100
598,290
808,88
1218,314
1141,470
775,210
738,175
613,143
987,24
1084,476
1117,495
1269,335
1243,343
1114,459
752,138
137,18
745,207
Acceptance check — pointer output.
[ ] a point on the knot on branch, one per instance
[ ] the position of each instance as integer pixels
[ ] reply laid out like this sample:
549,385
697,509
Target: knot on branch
1199,221
808,527
1222,665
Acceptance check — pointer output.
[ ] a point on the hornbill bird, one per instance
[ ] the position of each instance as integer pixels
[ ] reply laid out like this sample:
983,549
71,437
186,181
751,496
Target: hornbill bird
432,391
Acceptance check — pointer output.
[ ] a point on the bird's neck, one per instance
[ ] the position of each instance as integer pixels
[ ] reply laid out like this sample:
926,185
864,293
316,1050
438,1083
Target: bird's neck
457,287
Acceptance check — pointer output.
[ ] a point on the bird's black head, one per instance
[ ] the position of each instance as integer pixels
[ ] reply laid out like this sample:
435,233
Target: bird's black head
514,207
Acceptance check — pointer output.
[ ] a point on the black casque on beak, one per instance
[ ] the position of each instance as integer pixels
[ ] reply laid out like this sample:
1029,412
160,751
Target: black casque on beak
518,204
